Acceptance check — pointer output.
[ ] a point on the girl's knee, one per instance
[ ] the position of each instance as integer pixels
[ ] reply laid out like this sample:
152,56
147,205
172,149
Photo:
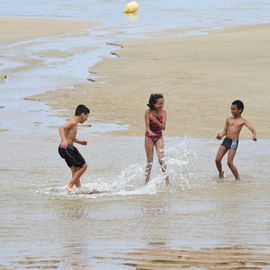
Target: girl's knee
162,163
230,163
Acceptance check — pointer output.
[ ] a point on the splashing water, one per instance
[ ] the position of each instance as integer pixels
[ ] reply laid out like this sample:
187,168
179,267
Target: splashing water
184,169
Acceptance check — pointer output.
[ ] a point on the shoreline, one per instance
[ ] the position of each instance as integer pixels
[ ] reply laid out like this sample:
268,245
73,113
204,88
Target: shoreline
174,66
36,31
33,61
229,64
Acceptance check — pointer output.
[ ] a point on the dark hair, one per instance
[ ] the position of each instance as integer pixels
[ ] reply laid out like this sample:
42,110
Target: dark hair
239,104
81,109
153,100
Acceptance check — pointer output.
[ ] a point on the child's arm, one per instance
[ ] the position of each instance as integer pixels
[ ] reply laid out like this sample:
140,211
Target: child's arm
163,124
252,129
80,141
224,132
147,124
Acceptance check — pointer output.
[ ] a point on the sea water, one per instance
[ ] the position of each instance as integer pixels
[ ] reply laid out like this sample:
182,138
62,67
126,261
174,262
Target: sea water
43,225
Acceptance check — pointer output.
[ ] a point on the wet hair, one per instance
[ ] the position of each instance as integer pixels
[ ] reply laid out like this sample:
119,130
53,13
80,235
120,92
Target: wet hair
153,100
239,104
81,109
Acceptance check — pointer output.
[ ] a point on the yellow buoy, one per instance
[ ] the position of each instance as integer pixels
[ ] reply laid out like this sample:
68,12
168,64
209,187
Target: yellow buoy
131,7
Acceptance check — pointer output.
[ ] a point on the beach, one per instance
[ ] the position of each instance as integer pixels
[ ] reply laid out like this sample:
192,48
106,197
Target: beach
116,221
195,74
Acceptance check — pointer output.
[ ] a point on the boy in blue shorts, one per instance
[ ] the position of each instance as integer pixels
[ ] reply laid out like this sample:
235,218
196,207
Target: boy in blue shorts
232,131
68,151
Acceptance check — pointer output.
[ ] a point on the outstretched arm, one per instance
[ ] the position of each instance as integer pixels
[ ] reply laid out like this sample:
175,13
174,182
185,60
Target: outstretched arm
80,141
252,129
224,132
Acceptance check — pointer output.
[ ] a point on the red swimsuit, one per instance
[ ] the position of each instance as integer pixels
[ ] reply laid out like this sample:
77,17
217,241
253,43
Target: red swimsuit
154,127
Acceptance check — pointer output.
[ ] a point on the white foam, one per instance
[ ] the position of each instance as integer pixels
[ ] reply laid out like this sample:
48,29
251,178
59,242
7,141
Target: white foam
182,170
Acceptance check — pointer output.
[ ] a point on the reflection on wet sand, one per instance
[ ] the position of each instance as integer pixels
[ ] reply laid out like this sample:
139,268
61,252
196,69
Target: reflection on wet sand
155,227
226,257
36,263
74,250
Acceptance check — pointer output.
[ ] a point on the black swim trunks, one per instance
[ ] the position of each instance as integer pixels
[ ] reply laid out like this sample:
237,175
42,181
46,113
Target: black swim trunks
230,143
71,155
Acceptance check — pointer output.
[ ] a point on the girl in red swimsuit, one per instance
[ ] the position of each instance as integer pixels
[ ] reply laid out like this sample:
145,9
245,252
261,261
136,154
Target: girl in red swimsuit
155,120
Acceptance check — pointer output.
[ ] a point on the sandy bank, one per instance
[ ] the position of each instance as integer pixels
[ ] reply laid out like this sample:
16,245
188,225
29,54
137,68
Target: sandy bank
200,76
15,29
223,258
22,32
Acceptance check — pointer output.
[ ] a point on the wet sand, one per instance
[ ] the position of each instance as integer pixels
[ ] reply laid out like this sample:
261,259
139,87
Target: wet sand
11,28
223,257
34,30
200,76
219,258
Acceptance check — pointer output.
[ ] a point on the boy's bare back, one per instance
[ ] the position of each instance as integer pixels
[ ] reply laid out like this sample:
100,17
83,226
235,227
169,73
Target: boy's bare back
70,131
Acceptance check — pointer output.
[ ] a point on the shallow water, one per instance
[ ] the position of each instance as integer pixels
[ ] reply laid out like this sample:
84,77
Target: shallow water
152,15
115,211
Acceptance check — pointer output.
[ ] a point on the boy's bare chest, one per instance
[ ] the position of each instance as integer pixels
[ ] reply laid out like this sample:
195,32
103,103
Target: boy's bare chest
235,123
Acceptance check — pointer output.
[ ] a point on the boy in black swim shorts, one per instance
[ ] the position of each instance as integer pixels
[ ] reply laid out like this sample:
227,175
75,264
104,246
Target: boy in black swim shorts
71,155
232,129
68,151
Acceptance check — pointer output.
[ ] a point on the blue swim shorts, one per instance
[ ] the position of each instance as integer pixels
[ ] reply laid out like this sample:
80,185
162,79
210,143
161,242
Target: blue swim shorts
230,143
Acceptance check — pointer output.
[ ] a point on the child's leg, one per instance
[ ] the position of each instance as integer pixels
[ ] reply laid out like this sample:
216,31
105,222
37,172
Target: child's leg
231,154
149,150
160,153
220,154
73,170
76,177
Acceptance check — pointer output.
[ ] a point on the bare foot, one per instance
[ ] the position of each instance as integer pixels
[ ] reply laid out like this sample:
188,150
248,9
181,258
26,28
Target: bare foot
167,180
68,189
221,175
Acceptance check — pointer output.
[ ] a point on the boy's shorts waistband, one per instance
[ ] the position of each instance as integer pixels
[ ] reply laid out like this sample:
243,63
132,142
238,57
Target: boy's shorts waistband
70,144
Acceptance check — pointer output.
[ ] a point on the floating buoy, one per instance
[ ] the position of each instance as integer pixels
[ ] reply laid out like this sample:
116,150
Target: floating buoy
131,7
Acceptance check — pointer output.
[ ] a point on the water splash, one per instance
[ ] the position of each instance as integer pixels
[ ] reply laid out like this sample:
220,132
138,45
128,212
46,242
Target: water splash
185,169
